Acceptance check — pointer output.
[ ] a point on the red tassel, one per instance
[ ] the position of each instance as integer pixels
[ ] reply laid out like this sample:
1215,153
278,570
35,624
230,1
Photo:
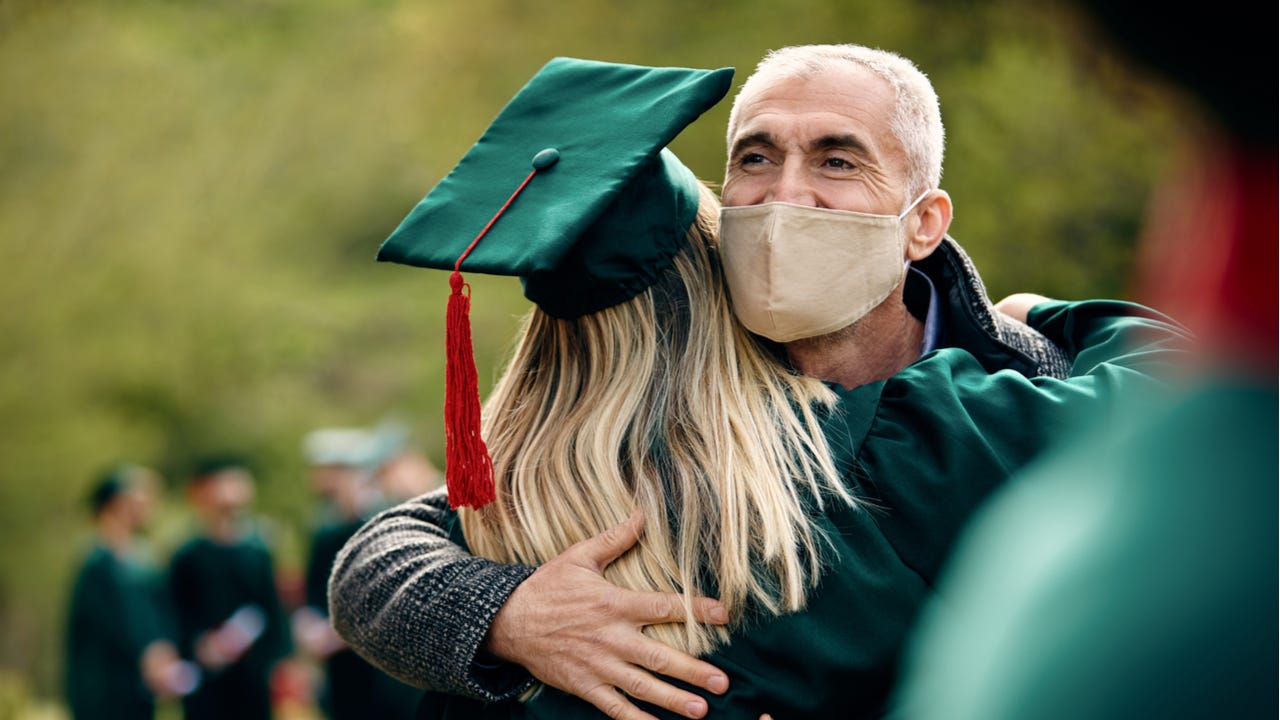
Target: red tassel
468,469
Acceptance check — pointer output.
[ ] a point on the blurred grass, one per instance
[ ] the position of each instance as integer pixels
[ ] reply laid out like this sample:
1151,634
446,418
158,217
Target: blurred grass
192,193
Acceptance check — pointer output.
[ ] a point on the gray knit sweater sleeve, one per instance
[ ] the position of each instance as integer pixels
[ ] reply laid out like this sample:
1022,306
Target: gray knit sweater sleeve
410,601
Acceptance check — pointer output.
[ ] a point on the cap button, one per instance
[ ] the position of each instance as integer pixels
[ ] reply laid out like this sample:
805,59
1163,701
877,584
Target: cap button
546,158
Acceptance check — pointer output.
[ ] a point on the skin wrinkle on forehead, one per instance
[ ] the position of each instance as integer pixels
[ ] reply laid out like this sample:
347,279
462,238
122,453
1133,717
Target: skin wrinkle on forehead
840,89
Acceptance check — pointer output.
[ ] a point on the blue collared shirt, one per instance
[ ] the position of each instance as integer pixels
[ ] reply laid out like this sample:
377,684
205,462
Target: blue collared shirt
914,296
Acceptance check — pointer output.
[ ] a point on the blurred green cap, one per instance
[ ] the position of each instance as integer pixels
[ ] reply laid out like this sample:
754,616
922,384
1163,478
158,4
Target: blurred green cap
604,206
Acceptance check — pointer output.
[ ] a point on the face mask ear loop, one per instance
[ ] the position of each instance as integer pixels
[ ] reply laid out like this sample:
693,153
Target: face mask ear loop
906,262
914,203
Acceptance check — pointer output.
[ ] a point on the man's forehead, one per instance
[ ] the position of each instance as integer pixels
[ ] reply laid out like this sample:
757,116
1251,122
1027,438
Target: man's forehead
835,101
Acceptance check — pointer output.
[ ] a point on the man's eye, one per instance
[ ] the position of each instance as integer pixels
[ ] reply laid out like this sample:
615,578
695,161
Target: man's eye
752,159
838,163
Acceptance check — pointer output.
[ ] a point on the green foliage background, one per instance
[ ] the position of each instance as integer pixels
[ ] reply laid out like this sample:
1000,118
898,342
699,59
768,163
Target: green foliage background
191,195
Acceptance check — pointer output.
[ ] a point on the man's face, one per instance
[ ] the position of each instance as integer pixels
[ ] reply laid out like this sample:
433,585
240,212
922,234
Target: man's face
225,493
141,502
131,507
822,142
327,480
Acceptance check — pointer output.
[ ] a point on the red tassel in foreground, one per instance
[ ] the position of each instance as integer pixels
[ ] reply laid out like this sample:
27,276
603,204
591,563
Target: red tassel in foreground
468,469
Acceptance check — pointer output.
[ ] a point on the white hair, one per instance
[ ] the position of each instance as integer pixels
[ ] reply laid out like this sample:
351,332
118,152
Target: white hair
916,120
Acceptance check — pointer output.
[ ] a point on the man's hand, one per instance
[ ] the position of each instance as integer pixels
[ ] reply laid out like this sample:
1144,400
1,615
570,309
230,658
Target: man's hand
165,673
573,630
1018,305
314,634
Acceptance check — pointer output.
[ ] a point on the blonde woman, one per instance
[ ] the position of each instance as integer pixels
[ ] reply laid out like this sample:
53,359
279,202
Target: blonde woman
816,515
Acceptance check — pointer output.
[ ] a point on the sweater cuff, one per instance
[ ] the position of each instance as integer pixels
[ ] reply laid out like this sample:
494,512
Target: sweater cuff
487,677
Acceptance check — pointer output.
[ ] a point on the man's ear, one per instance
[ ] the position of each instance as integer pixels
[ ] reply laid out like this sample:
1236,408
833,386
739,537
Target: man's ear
927,224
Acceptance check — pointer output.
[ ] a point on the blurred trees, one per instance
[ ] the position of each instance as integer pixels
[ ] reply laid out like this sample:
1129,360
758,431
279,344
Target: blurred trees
191,195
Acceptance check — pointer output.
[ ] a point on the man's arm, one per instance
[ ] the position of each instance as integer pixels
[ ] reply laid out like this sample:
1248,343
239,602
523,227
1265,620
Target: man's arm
418,606
947,432
1018,305
421,608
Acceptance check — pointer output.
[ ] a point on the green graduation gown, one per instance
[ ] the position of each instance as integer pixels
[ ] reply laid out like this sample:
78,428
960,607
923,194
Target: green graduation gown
1131,575
921,450
115,613
209,582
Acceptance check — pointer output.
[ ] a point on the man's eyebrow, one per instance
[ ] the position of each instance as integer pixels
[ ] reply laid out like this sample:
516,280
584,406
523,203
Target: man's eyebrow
755,139
845,142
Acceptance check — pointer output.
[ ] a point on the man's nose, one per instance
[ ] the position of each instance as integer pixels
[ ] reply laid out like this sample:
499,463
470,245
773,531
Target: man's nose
793,185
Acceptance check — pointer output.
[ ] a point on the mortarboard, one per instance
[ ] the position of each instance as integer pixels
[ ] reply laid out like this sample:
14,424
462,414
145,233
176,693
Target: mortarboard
348,447
355,447
571,189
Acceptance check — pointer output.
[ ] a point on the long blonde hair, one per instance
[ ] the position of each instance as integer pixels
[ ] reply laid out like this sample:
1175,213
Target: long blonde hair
667,403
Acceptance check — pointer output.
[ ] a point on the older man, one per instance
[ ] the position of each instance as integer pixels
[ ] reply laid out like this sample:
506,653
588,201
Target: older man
832,128
837,151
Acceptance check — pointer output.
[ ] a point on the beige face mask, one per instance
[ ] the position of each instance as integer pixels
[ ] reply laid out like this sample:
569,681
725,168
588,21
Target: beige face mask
798,272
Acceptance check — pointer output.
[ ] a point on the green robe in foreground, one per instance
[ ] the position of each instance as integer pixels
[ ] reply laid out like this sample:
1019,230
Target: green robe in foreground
921,450
115,613
1132,575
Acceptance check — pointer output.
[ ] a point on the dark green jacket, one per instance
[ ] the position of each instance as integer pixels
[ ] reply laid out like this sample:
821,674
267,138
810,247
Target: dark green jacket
921,450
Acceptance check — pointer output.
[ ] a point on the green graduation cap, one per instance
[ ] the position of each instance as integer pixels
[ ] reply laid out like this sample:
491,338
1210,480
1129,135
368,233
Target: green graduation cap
571,189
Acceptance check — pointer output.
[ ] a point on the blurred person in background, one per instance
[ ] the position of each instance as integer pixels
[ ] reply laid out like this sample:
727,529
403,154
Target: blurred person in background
1133,574
120,652
407,474
342,465
402,471
229,617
